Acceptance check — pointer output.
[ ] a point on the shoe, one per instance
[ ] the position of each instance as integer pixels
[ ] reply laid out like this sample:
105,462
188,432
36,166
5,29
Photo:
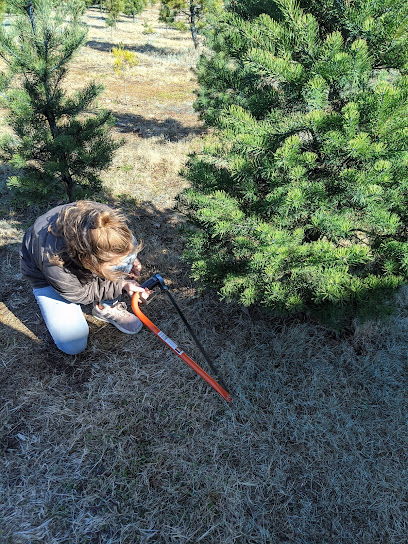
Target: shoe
118,316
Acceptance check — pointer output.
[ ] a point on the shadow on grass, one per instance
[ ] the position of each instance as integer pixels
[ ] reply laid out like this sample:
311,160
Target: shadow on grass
170,129
96,11
97,26
143,49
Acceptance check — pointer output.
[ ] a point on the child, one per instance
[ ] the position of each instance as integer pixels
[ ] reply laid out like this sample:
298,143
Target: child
80,253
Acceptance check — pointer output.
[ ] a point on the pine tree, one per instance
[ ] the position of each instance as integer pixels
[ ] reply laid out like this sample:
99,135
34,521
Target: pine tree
60,142
134,7
300,202
114,8
188,14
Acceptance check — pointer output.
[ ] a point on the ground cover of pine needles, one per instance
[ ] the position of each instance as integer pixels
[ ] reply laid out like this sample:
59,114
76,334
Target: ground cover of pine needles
125,444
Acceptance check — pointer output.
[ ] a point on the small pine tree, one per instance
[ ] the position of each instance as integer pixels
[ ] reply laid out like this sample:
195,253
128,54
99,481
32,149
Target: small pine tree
300,204
114,8
59,142
147,28
134,7
124,61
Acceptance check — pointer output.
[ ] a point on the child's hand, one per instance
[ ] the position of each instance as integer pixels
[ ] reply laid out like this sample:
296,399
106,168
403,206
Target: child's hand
133,287
136,269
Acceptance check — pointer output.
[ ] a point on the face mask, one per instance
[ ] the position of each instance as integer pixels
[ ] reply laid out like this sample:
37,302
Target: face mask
126,265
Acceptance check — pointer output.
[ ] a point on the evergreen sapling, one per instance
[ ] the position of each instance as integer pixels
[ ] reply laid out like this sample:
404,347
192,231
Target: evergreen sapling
59,142
300,201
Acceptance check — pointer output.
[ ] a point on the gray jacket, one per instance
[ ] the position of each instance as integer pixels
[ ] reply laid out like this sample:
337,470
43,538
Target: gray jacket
73,282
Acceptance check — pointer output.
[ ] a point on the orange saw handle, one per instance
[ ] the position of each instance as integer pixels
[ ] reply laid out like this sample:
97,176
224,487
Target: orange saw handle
173,346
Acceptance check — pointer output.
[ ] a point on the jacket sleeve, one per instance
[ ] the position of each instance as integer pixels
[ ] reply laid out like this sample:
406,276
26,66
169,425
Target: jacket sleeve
69,286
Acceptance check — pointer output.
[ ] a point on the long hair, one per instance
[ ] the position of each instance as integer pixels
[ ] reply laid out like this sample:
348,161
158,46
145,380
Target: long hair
94,234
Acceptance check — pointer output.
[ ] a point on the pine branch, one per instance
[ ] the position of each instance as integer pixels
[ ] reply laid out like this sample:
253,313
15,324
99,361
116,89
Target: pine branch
30,11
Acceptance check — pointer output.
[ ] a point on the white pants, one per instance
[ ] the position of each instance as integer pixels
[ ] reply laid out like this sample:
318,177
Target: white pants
64,320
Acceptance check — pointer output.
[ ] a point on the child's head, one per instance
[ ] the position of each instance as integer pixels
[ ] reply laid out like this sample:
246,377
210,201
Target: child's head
96,236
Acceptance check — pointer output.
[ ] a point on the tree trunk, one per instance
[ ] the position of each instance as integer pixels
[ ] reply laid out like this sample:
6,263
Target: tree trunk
124,83
194,15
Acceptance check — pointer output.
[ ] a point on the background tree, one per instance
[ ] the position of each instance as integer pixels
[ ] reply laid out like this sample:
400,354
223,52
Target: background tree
188,14
301,204
113,8
132,8
59,142
3,8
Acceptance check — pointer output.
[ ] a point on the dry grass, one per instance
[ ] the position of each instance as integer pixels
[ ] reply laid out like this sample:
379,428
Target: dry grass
124,444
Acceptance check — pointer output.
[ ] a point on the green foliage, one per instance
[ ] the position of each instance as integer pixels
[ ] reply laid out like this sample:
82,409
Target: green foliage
169,9
189,14
114,8
60,142
300,204
134,7
147,28
181,26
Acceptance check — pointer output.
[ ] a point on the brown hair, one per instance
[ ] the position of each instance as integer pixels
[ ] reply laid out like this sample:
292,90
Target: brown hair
94,235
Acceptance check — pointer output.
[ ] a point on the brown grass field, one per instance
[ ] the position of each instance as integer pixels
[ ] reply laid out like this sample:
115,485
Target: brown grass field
124,444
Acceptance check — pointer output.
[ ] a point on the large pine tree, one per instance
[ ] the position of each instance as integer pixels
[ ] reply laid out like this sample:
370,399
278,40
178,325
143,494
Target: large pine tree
60,141
299,203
